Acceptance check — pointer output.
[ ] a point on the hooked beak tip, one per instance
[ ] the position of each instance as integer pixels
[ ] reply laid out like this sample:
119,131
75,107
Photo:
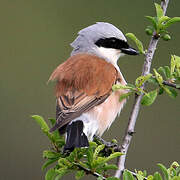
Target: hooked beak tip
130,51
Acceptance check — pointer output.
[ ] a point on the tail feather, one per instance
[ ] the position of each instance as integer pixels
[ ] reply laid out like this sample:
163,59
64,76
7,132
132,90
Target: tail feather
75,136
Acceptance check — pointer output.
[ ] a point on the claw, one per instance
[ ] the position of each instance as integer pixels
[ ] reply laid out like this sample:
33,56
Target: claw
109,146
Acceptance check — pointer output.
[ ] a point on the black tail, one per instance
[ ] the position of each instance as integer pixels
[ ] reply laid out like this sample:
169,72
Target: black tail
75,136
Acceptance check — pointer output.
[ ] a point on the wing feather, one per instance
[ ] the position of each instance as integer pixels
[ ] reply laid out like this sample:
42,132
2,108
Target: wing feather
83,82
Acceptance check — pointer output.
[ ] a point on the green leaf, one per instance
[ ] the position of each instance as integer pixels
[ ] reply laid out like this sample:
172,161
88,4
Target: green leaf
144,173
178,170
43,125
172,172
48,162
41,122
171,21
92,144
149,30
50,154
153,20
119,86
149,98
63,162
100,178
173,64
157,176
152,80
167,72
158,77
176,178
127,175
50,175
53,121
56,138
150,177
175,165
110,166
177,65
177,59
161,90
137,42
166,37
97,150
58,177
159,11
170,91
90,156
61,172
114,155
124,96
139,175
173,92
131,85
142,79
100,161
79,174
164,19
164,170
162,70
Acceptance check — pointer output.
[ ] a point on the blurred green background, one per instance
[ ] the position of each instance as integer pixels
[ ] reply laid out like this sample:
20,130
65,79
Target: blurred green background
34,38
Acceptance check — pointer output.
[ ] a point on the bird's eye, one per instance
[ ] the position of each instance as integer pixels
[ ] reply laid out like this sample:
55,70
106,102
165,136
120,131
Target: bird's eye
113,40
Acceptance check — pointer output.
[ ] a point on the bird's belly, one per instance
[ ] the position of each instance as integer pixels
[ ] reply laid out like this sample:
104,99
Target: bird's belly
100,118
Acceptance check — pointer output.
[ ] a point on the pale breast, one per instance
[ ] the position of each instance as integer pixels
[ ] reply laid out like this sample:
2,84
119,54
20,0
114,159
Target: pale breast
100,118
106,112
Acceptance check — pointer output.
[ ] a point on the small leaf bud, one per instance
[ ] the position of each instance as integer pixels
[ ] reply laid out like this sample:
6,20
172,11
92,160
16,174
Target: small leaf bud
149,31
166,37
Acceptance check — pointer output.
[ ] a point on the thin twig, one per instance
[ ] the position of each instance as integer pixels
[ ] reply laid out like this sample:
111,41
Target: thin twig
88,171
168,83
171,85
135,175
136,106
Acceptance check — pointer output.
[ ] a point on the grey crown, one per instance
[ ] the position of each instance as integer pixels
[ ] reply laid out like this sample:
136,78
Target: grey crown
85,42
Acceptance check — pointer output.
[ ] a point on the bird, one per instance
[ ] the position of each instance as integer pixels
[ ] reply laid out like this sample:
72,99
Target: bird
86,106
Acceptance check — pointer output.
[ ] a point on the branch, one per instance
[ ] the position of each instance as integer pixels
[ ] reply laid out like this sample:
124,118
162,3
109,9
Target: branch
171,85
135,175
136,106
88,171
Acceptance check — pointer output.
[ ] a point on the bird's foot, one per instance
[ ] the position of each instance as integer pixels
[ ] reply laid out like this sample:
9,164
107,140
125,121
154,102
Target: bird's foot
109,146
98,139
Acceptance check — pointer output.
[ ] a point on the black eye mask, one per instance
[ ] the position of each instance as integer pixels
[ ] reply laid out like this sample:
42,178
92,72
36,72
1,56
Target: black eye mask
115,43
112,43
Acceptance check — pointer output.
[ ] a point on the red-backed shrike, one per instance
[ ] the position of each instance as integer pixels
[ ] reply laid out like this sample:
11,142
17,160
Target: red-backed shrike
86,105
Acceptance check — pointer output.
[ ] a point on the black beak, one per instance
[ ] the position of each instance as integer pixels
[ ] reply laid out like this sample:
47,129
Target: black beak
129,51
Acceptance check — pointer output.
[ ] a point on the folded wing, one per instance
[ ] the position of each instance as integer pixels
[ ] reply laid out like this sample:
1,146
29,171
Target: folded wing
83,82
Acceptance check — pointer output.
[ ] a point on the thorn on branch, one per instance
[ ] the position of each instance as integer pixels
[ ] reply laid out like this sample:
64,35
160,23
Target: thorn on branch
131,132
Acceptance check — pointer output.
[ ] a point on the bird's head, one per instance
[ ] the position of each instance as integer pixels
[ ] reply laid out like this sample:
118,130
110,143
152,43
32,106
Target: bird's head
104,40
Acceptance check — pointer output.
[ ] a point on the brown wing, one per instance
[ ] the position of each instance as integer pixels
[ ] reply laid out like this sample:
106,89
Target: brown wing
83,81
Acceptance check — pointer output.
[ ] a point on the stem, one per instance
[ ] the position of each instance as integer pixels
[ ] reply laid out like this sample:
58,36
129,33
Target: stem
171,85
136,106
88,171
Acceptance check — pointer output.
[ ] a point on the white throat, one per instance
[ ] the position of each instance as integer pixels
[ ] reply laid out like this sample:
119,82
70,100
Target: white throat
111,55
